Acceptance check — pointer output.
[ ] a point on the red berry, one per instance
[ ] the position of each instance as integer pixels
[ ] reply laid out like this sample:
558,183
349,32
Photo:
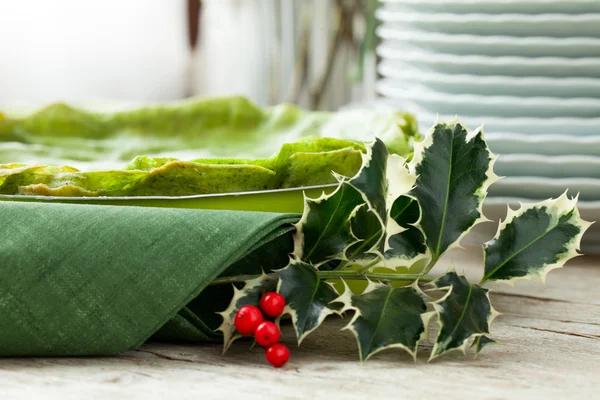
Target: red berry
277,355
247,319
267,334
272,304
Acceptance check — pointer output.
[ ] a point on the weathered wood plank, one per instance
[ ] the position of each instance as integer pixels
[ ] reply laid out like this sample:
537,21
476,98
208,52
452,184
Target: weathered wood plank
550,349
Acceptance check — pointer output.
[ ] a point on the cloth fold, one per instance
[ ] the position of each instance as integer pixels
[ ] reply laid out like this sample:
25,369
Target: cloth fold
99,280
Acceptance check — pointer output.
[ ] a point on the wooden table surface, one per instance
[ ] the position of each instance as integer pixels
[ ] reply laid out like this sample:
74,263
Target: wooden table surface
550,350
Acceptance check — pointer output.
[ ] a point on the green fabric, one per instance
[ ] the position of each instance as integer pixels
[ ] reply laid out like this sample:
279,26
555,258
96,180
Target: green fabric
98,280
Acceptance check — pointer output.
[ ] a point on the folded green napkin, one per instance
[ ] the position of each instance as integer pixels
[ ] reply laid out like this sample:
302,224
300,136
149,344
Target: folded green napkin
98,280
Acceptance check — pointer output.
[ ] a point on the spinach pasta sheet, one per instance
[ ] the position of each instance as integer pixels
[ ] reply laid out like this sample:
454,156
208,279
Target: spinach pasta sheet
185,148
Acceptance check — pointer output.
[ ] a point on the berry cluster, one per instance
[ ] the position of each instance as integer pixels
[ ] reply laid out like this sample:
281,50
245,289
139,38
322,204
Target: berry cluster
249,320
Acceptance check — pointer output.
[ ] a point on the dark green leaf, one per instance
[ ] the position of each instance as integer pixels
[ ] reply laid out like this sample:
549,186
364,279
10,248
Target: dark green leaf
465,312
454,168
387,317
368,222
336,226
366,228
308,298
249,294
371,179
534,240
324,232
480,342
406,247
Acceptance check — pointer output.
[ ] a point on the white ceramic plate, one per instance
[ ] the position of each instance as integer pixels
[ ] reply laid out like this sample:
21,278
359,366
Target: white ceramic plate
553,145
490,45
540,188
497,6
559,166
502,106
527,126
553,25
483,65
495,85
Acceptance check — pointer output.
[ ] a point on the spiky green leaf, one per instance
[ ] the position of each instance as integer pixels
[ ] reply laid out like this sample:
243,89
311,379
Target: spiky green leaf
308,298
324,230
464,313
408,246
249,294
371,180
454,169
534,240
366,228
398,182
480,342
368,221
387,317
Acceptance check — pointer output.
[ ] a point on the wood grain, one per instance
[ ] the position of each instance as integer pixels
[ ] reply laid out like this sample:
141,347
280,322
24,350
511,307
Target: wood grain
550,350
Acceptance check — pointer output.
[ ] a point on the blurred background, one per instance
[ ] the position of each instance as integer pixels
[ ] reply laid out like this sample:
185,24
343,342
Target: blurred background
529,70
312,52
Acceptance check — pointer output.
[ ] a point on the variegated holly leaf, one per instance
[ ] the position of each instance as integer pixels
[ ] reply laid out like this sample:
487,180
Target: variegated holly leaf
408,246
324,230
250,294
368,221
464,313
454,169
308,298
366,229
534,240
399,181
387,317
480,342
371,180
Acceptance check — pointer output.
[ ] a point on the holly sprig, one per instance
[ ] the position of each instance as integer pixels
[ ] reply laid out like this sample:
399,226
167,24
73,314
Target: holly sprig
389,225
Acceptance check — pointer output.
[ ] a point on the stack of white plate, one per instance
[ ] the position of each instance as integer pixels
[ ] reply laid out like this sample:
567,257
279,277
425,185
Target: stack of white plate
528,70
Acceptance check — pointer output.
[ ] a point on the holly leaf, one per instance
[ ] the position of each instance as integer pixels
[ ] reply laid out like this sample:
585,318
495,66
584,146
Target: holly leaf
249,294
308,298
368,221
366,230
480,342
534,240
387,317
454,169
324,230
464,313
371,180
408,245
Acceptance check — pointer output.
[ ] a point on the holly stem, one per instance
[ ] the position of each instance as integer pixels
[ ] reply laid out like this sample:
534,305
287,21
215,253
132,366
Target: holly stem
374,276
354,275
342,265
369,265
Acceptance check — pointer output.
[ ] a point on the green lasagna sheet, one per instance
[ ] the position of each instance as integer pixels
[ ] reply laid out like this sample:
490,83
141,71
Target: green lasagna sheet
64,151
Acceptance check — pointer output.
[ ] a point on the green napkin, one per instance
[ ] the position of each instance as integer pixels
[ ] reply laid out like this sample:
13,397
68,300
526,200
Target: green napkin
98,280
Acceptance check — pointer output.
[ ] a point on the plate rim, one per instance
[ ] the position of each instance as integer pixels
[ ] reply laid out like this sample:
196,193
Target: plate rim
169,198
